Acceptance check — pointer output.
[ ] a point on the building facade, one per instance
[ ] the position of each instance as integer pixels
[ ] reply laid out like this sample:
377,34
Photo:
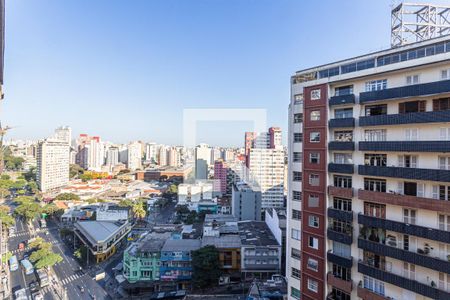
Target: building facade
371,176
246,202
52,164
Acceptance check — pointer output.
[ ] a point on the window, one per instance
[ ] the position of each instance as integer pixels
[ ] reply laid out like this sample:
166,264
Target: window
444,162
314,158
313,200
296,214
407,161
296,176
338,294
343,113
341,226
295,253
441,104
374,285
375,135
297,156
412,79
298,137
411,134
445,74
342,204
376,85
444,134
342,272
374,209
315,94
375,185
295,273
444,222
343,90
296,196
412,107
295,234
411,189
313,242
313,221
314,137
341,249
315,115
298,99
441,192
313,264
314,179
376,110
375,159
298,118
329,72
342,181
295,293
343,136
409,216
343,158
313,285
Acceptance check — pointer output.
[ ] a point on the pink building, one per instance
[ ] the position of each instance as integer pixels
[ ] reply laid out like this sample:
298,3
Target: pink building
220,176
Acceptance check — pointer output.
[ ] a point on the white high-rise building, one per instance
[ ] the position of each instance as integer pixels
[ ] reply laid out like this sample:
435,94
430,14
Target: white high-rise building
202,161
112,156
95,154
151,151
267,169
134,156
162,156
64,133
173,157
52,164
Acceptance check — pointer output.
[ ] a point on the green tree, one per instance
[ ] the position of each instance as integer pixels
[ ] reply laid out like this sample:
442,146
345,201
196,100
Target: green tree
50,209
75,171
67,196
30,175
126,203
23,199
39,254
39,243
7,220
139,211
5,177
86,177
173,189
28,210
33,187
4,193
81,253
206,267
48,261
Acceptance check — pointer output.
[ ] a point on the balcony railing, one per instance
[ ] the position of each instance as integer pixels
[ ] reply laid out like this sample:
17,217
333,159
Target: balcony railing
340,192
409,229
367,294
346,262
341,168
404,255
408,118
342,123
342,99
405,200
406,173
403,282
344,285
338,214
344,146
406,146
415,90
344,237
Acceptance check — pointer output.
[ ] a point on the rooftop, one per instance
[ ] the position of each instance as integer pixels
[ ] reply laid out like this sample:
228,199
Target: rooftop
219,218
149,242
99,231
256,233
181,245
225,241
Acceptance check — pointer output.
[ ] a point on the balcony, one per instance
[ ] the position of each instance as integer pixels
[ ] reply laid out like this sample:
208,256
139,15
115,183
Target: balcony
405,200
406,146
344,146
340,192
344,237
415,90
342,123
342,215
408,256
402,282
406,173
367,294
408,118
341,168
342,99
344,285
401,227
340,260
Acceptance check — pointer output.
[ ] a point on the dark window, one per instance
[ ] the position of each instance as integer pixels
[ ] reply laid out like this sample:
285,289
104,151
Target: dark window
297,176
296,196
338,294
342,204
298,118
343,90
375,160
341,272
343,181
343,113
410,188
314,158
298,137
297,156
441,104
376,110
340,226
412,106
375,185
296,214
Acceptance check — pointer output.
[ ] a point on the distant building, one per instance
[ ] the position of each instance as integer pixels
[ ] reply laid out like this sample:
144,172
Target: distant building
112,157
165,173
202,161
246,202
220,177
134,156
52,164
218,224
195,194
64,134
229,247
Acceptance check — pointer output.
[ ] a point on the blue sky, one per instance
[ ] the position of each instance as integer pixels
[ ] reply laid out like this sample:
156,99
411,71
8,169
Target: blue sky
125,70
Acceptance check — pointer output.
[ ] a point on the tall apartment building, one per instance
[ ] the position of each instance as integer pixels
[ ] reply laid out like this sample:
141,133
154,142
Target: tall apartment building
52,164
220,177
112,156
134,156
202,161
369,167
64,133
95,154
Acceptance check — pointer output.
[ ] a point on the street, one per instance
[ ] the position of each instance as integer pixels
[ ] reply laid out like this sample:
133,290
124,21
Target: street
68,273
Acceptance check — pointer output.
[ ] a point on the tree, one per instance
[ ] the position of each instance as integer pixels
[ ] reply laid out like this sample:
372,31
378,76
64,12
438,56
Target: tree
30,175
126,203
139,211
5,177
173,189
39,254
39,243
206,267
67,197
86,177
28,210
81,253
33,187
23,199
75,171
4,193
48,261
50,209
7,220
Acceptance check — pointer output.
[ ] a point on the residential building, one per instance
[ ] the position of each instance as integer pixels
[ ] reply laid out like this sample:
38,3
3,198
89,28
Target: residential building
194,194
276,221
112,157
220,177
134,156
246,202
151,153
165,173
219,224
229,247
374,176
202,161
64,133
162,156
52,164
95,154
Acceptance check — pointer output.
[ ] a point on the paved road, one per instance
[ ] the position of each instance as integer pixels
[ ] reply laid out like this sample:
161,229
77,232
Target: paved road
67,273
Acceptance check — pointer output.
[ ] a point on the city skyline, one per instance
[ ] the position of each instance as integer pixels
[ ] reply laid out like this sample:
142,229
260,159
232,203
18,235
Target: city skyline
127,88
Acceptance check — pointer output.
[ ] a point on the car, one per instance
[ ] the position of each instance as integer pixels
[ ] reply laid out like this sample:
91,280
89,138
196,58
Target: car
81,288
34,286
37,296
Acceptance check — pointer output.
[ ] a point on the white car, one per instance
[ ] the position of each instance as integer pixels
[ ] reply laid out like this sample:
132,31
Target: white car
38,296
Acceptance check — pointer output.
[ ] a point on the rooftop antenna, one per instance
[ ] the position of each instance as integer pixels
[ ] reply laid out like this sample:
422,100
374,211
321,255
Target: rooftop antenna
416,22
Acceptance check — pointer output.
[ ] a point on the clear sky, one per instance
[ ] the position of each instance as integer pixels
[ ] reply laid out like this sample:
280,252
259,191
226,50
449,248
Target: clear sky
125,70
